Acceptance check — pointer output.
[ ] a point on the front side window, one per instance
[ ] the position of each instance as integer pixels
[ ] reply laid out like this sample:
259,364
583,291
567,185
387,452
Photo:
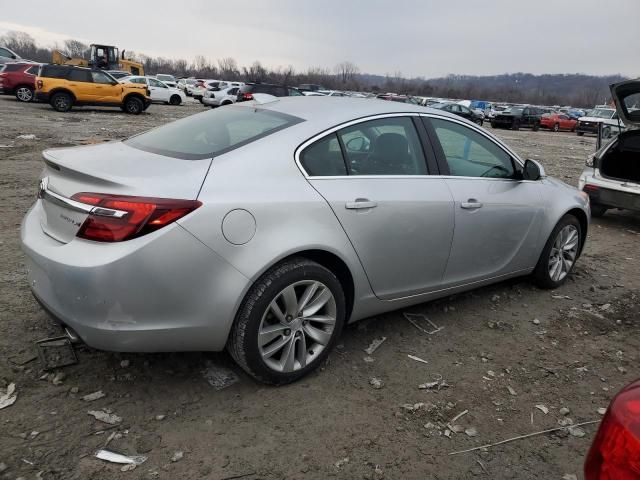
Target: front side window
5,53
100,77
471,154
388,146
155,83
212,133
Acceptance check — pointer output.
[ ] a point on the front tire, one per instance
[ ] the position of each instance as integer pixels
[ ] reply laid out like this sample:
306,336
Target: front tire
288,322
133,106
556,127
175,100
559,254
24,93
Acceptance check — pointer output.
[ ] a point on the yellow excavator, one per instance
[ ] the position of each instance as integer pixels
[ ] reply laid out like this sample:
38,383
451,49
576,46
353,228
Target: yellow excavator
105,57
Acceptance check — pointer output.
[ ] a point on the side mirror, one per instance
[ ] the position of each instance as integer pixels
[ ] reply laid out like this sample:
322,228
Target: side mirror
13,56
532,170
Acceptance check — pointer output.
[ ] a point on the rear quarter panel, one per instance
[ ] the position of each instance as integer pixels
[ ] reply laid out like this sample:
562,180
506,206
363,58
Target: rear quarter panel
290,216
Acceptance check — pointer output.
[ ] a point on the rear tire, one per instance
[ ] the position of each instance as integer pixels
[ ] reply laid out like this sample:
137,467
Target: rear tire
515,125
61,101
536,127
580,134
24,93
279,346
559,254
175,100
556,127
133,105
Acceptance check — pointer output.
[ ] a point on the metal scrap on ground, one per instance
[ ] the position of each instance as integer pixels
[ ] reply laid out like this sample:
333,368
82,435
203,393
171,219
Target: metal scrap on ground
219,377
110,418
414,318
9,397
114,457
417,359
375,344
56,352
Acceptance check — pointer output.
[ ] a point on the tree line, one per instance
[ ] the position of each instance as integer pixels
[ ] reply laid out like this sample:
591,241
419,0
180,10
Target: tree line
560,89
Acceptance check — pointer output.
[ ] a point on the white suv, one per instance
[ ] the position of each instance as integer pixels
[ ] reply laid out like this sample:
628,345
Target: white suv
611,177
158,91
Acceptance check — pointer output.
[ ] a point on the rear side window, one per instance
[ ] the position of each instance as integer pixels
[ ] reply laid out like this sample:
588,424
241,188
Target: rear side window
324,158
32,70
212,133
53,71
12,67
79,76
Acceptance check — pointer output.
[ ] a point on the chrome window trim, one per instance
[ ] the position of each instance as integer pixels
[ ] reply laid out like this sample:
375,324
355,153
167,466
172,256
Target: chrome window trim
334,129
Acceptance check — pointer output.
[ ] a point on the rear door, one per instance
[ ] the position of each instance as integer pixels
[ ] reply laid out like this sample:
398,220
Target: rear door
399,219
81,82
497,216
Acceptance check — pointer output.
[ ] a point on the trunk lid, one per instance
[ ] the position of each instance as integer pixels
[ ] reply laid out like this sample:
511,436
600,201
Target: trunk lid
626,96
112,168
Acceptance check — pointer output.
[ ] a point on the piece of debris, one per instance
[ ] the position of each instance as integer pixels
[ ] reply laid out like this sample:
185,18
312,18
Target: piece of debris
160,417
542,408
457,428
564,411
536,321
577,432
9,397
447,433
125,363
415,318
520,437
561,297
418,406
219,377
495,298
74,390
3,467
565,422
417,359
58,378
511,390
602,410
375,344
459,416
369,359
569,476
177,456
94,396
29,136
114,457
128,467
471,432
376,383
56,352
341,462
437,385
110,418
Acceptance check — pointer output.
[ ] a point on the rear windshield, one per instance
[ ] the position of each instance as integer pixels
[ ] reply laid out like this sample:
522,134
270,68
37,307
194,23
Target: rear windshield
212,133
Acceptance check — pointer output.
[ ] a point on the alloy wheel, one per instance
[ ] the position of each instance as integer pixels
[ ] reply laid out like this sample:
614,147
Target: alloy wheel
563,253
24,94
297,326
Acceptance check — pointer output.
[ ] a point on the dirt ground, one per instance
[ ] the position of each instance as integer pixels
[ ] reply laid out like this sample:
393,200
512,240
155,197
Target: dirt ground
503,350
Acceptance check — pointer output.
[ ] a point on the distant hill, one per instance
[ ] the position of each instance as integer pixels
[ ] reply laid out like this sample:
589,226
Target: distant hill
559,89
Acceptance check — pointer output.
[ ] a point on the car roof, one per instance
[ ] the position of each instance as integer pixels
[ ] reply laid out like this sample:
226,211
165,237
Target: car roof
325,112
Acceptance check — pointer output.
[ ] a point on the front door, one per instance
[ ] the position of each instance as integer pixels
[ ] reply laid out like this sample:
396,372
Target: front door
104,88
497,216
159,91
399,219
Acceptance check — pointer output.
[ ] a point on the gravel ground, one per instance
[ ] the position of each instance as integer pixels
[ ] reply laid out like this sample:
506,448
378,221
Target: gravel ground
503,351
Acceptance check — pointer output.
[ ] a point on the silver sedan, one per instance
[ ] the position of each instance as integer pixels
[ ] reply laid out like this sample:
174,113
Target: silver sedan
265,226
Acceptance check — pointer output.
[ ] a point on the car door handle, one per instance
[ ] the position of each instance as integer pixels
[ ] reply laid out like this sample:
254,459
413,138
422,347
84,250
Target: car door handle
471,204
360,204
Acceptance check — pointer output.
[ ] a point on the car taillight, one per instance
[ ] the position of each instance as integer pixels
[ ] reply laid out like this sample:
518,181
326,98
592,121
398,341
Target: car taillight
591,188
247,96
615,453
120,217
39,84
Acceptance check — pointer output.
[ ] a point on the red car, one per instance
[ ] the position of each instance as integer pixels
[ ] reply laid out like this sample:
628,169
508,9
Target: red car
19,79
615,452
557,122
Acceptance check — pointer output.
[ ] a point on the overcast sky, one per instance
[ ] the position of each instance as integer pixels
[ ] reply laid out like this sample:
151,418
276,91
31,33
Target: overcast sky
416,37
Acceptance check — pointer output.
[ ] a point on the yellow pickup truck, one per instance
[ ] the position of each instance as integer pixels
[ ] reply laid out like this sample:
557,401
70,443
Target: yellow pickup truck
65,86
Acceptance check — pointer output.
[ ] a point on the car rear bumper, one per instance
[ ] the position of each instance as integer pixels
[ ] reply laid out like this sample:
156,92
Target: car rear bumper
587,128
214,102
609,193
162,292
